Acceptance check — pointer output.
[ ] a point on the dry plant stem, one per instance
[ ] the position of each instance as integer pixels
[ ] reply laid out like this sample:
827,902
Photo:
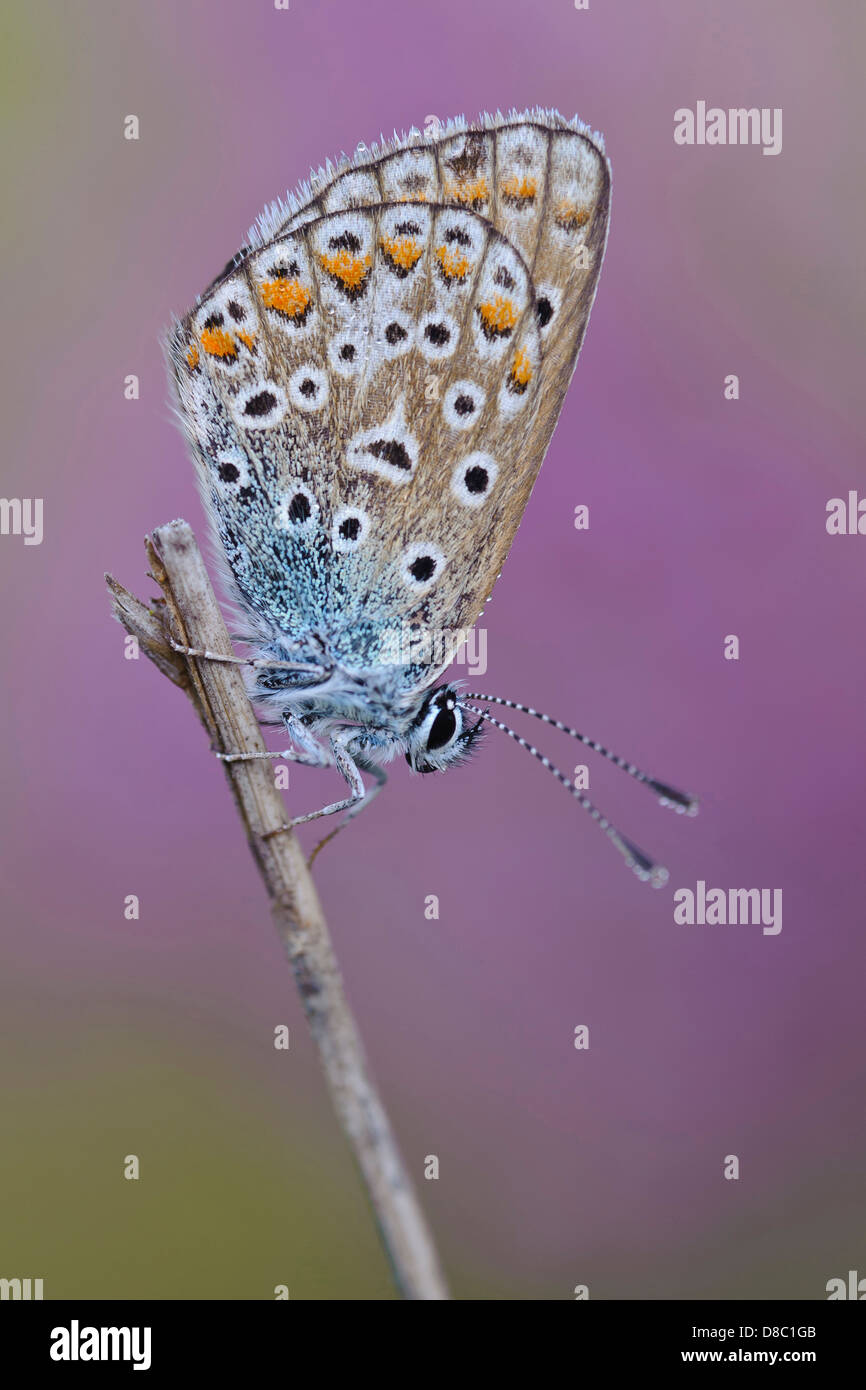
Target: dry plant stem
217,689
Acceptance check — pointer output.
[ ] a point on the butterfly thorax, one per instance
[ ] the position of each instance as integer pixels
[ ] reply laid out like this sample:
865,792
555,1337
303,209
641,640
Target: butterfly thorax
386,700
372,713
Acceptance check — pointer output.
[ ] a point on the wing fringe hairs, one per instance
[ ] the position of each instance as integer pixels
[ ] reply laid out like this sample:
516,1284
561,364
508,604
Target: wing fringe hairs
281,210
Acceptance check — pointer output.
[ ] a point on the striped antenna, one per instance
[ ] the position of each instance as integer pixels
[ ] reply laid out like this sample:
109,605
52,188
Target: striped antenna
646,869
668,796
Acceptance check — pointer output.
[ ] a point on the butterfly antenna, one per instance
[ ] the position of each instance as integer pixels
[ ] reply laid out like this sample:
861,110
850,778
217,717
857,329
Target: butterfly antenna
647,870
668,796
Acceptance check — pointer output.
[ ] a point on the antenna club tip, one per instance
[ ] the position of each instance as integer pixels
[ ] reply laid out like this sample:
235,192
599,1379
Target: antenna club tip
656,874
687,806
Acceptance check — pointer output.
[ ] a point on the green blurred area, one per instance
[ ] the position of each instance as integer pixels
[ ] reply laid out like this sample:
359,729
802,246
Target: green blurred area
227,1205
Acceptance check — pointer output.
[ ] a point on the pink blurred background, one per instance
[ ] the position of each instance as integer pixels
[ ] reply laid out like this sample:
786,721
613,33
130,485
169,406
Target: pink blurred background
155,1037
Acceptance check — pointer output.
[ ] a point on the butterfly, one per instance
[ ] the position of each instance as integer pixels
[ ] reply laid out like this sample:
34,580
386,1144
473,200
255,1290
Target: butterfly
369,389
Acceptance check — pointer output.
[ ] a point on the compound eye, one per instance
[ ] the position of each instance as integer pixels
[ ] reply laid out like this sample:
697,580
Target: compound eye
442,730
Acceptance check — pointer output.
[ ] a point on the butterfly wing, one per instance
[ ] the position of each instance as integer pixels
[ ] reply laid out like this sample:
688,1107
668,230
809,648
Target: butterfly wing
338,387
371,392
544,183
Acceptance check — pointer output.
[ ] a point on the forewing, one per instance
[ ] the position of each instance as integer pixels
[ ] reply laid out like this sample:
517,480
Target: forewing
544,184
359,395
370,393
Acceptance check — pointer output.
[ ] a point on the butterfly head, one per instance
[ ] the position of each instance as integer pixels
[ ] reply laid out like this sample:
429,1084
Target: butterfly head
440,736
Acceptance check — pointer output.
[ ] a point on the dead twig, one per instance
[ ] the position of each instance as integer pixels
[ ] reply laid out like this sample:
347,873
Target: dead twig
190,614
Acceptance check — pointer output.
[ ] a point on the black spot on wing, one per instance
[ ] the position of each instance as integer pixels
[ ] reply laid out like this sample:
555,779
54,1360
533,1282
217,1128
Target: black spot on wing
390,451
260,404
423,568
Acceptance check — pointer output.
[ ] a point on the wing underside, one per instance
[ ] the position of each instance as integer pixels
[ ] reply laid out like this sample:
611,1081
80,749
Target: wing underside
371,389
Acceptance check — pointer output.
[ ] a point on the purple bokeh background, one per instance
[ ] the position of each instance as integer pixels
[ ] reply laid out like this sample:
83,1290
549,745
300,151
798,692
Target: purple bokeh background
707,518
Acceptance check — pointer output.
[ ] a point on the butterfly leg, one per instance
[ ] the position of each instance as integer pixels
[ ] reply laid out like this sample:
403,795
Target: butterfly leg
349,769
267,662
308,751
355,809
380,777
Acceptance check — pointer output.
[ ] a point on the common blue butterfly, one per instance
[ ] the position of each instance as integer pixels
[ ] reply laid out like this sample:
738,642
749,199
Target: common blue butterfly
369,389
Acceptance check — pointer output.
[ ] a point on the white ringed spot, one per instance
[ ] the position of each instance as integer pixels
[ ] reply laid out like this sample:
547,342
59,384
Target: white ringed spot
308,387
462,405
344,354
473,479
298,510
421,565
350,530
387,449
259,406
438,336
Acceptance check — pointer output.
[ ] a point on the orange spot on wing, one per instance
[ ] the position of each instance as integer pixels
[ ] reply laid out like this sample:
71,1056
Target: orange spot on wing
404,251
288,296
349,269
246,338
471,191
499,315
192,358
454,264
218,343
521,368
569,216
522,190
